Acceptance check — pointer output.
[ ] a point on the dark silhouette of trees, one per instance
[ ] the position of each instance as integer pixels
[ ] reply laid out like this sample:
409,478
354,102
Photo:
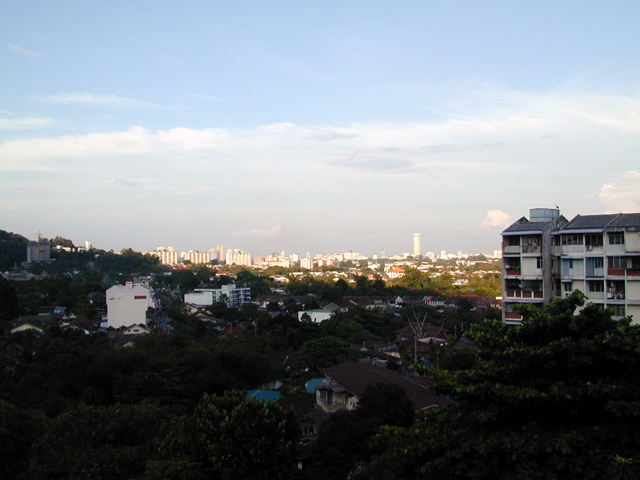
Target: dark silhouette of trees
557,397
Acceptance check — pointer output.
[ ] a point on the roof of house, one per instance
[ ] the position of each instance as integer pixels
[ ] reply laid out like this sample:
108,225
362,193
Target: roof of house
356,376
266,395
580,222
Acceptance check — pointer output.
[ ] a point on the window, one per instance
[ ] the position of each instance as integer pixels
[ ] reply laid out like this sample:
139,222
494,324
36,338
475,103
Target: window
539,262
510,241
593,240
618,311
595,286
567,286
572,240
616,238
617,262
595,266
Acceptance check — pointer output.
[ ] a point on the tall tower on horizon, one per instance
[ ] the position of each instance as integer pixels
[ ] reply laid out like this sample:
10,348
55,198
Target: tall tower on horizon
416,245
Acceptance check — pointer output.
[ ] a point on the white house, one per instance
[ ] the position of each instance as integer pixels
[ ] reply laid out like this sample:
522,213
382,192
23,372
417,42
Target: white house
316,316
128,305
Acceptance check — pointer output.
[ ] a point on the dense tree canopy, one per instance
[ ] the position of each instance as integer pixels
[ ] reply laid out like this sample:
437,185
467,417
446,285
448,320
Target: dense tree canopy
558,397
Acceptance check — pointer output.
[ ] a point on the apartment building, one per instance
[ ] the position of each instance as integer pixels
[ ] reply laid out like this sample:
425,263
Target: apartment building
549,257
196,257
233,296
238,257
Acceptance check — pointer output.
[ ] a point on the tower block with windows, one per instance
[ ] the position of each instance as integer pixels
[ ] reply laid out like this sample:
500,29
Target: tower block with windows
549,257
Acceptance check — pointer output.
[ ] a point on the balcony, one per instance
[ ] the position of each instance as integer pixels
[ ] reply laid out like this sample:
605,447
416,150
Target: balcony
523,294
516,271
615,272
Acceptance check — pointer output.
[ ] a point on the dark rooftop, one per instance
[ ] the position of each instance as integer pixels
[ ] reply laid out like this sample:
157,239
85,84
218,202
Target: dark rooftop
581,222
356,376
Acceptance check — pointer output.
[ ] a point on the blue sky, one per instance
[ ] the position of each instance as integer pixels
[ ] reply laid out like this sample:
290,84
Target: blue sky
313,126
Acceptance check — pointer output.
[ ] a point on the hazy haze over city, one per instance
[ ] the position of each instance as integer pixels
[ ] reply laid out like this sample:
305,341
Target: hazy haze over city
313,126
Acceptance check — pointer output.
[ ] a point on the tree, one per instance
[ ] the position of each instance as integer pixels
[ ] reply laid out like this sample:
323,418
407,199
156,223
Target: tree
9,307
97,442
345,438
325,352
63,242
231,437
557,397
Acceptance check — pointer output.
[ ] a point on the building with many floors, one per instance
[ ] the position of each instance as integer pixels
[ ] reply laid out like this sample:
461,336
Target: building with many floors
549,257
230,294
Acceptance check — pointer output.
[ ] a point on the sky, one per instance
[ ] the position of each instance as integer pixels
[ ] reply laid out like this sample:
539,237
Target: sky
314,126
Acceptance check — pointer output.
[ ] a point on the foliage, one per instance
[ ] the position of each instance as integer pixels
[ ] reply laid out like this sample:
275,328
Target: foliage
63,242
325,352
557,397
18,430
345,438
9,307
102,443
13,250
233,436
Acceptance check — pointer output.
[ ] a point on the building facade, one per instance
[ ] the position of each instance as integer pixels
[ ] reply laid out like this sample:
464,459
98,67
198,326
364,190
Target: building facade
129,304
230,294
39,251
549,257
416,245
238,257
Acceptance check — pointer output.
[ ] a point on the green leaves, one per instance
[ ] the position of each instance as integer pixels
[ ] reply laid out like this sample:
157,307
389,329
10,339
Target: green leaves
558,397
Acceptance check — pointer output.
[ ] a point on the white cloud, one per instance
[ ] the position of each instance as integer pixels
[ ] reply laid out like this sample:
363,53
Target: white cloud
259,233
125,181
25,123
86,98
23,51
496,218
622,193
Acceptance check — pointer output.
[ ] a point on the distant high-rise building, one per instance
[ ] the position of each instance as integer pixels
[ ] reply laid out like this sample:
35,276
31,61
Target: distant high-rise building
39,251
238,257
87,245
167,256
306,262
416,245
220,250
196,257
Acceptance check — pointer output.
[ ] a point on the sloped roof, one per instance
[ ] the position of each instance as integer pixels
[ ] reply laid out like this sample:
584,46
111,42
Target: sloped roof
356,376
627,220
582,222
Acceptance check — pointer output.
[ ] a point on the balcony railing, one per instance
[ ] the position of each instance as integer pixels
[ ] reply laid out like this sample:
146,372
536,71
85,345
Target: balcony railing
523,294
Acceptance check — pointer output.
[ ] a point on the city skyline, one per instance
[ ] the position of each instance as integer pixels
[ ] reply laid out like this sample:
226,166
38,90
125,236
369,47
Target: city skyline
314,126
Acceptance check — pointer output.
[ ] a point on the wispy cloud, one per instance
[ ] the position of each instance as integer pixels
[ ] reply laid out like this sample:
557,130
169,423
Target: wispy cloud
621,193
148,186
259,233
86,98
496,218
25,123
125,181
23,51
